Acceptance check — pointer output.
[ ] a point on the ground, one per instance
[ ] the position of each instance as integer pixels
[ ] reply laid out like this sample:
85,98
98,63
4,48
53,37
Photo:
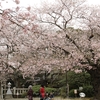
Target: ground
57,98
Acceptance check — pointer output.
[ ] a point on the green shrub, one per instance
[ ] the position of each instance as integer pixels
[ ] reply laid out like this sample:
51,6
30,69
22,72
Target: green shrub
71,93
49,90
36,89
63,92
24,95
88,90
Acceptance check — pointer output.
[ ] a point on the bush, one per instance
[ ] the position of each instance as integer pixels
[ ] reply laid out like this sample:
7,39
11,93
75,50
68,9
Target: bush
36,89
49,90
71,93
63,92
24,95
88,90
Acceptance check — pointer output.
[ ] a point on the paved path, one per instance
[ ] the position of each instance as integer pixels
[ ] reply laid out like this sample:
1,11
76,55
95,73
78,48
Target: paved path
39,99
35,99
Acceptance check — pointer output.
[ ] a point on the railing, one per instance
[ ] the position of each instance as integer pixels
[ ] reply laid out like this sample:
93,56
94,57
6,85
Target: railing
16,92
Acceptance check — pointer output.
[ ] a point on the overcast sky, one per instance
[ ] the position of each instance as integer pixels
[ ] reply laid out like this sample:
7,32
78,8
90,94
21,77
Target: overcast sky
37,3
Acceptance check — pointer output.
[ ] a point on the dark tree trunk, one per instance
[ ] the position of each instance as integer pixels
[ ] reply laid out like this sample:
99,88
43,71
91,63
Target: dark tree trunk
95,79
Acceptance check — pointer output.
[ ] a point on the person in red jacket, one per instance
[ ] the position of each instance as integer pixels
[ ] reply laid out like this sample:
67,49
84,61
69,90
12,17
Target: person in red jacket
42,92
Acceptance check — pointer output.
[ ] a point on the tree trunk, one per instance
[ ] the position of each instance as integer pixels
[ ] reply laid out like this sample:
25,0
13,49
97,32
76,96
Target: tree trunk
95,79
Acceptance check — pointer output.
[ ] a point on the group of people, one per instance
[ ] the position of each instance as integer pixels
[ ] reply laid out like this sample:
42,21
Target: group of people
43,94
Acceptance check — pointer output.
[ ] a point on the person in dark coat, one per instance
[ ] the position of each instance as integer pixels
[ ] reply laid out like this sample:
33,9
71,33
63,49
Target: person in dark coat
30,93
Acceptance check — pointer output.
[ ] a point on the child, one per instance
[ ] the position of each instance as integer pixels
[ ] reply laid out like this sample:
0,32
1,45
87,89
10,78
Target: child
47,97
51,96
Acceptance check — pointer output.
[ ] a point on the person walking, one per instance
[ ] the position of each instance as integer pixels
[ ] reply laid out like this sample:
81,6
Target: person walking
30,93
42,92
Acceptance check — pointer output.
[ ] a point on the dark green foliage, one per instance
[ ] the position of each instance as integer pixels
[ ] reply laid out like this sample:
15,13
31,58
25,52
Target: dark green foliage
57,80
62,81
58,83
76,80
63,92
71,93
88,90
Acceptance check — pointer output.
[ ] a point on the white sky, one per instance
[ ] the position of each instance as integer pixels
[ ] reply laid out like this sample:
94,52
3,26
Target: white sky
37,3
93,2
34,3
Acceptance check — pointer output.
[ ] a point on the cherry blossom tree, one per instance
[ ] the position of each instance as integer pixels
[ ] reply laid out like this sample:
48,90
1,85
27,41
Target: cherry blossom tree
28,49
92,22
80,46
16,39
22,46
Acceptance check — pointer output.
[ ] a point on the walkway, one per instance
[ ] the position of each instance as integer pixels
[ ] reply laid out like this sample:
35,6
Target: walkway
39,99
